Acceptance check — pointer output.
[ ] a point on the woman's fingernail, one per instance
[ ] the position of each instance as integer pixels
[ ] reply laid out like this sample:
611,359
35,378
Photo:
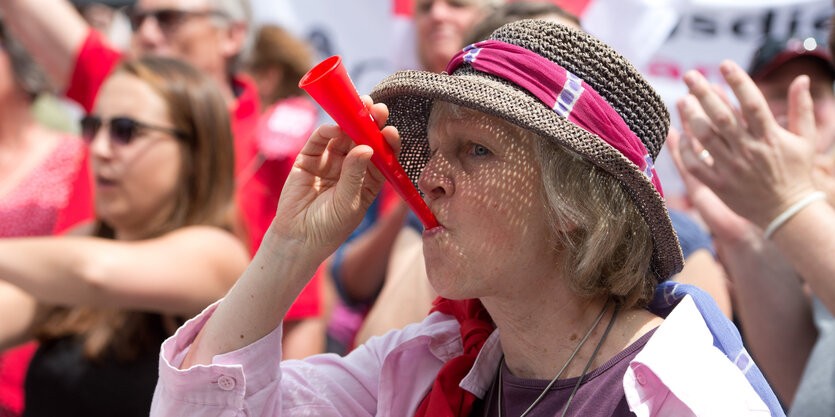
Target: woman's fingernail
726,67
690,78
805,81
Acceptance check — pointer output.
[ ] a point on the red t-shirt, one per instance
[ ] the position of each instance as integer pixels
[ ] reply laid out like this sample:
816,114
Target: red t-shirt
258,185
49,201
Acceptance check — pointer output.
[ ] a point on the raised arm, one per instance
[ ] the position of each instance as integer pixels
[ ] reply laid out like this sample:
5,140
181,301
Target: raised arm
761,170
52,32
773,309
329,188
769,300
768,294
179,273
365,258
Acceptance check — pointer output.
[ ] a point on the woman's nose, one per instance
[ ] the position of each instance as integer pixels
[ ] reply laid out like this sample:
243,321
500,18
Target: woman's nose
435,181
148,33
439,10
100,145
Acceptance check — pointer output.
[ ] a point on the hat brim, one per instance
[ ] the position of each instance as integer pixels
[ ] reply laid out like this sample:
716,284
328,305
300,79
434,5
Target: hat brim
409,96
784,57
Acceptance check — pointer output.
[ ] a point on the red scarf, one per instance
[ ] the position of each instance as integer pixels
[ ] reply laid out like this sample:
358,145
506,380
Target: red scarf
446,398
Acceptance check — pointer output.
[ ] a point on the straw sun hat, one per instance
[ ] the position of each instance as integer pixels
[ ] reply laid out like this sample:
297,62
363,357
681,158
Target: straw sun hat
409,96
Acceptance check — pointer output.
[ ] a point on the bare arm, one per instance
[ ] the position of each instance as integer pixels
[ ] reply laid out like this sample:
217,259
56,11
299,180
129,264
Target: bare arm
51,30
768,296
807,240
330,187
406,296
702,270
18,312
303,338
179,273
773,309
364,262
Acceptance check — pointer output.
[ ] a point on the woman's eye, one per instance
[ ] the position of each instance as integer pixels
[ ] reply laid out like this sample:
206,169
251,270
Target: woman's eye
479,150
424,6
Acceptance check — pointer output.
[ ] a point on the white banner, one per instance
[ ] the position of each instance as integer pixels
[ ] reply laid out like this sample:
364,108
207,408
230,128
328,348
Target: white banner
664,38
361,31
710,31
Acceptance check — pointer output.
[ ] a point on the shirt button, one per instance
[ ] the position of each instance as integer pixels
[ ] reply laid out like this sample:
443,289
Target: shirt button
642,379
226,383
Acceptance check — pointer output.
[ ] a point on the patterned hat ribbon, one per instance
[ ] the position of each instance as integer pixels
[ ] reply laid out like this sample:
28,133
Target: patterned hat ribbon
562,91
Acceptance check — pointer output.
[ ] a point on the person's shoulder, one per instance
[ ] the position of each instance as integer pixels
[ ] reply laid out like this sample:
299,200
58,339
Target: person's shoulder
207,239
691,236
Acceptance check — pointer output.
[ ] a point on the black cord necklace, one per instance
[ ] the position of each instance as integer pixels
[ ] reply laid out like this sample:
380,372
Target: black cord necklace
579,380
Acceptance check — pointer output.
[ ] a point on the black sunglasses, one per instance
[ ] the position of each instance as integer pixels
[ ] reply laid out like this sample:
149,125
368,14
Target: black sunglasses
122,129
167,19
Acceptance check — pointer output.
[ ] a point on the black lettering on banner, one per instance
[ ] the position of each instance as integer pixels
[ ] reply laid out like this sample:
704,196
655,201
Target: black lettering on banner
753,25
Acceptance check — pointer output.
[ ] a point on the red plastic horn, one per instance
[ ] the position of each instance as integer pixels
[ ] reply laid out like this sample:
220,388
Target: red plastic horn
328,83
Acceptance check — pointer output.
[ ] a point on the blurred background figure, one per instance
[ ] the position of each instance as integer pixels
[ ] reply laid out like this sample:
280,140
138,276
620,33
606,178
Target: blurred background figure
276,63
108,18
45,185
518,10
778,61
441,26
211,35
161,248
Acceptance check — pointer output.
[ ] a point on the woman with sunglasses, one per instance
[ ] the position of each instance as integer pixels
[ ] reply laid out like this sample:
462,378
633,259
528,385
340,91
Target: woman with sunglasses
160,250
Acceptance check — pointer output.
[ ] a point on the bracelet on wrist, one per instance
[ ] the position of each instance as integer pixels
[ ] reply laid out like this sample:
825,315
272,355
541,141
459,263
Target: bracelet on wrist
790,212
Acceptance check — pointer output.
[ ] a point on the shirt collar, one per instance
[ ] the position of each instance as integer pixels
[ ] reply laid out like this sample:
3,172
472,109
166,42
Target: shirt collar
484,369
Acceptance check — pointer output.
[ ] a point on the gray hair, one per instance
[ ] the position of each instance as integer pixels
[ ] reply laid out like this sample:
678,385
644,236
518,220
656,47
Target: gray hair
485,5
237,11
606,243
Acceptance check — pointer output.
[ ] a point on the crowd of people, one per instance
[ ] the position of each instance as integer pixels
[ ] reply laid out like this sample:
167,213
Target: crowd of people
194,244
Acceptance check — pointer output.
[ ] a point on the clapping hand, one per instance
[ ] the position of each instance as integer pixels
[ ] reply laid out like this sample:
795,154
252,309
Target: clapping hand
755,166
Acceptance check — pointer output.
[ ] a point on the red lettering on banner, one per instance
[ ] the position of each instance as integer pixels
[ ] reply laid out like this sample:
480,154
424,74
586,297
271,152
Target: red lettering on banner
664,69
674,70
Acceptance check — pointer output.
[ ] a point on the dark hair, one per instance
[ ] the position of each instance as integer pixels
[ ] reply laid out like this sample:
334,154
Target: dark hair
275,48
831,40
513,11
204,196
197,108
28,75
773,53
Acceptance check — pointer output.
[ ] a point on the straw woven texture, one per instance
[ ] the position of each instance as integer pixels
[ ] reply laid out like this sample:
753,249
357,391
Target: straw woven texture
410,94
